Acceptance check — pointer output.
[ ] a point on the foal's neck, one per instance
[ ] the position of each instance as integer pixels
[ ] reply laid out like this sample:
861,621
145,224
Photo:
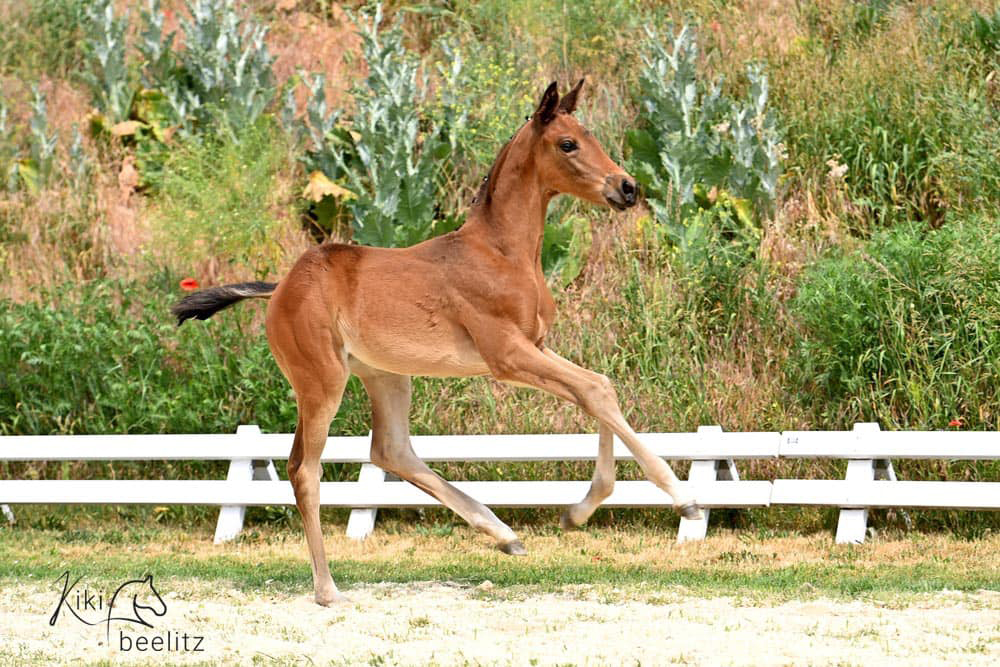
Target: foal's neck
511,213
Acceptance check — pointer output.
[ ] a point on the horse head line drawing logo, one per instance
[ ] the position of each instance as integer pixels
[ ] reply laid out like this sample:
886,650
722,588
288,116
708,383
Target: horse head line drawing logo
146,599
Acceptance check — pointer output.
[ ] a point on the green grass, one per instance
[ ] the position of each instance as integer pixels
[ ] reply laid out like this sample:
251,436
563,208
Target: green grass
276,560
293,576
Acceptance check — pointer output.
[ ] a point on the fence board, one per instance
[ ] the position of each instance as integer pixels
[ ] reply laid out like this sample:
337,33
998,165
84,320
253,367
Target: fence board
355,494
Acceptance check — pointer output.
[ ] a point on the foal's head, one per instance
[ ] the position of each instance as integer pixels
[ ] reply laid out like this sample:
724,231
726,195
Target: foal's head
570,160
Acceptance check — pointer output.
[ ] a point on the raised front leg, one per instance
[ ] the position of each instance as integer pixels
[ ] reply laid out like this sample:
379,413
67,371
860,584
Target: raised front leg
391,451
513,358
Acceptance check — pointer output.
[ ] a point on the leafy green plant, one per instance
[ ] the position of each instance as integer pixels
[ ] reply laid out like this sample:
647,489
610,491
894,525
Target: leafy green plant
384,163
717,248
693,135
710,167
226,63
565,242
108,75
220,81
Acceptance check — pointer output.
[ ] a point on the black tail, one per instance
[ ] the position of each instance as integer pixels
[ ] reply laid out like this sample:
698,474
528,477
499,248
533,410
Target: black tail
207,302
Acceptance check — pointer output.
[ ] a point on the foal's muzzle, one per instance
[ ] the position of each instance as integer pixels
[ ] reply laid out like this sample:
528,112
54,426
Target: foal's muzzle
620,191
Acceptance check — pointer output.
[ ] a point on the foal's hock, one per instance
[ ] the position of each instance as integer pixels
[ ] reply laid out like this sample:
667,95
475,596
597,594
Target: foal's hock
471,302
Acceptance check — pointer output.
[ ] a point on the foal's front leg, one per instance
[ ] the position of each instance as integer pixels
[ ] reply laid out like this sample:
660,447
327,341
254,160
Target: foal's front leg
513,358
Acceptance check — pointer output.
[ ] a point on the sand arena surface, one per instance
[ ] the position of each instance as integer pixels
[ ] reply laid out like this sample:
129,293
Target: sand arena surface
451,624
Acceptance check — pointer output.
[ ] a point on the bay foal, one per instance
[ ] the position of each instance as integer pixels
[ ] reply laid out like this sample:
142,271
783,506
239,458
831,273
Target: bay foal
472,302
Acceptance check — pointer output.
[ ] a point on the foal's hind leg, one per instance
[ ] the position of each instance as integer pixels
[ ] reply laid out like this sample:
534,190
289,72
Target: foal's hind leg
604,469
304,472
391,451
601,486
319,386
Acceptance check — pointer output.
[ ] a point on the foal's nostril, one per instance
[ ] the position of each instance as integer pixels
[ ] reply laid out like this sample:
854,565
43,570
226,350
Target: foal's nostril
628,191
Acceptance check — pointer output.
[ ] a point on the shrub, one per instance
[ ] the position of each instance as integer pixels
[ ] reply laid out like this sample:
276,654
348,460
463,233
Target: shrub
905,330
122,366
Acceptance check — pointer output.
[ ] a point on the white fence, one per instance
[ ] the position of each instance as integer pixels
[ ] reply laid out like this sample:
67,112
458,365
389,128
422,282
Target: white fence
714,476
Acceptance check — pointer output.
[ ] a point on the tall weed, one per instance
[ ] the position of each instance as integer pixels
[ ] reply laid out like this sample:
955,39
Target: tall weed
217,202
907,110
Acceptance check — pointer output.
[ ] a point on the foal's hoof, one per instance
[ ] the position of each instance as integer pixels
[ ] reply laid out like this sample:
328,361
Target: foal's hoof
514,548
566,522
327,600
690,510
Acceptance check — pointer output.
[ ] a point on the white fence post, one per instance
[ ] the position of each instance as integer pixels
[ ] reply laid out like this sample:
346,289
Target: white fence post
362,520
705,471
230,522
853,522
8,514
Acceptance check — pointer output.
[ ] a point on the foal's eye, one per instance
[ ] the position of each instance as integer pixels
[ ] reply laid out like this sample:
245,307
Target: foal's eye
567,146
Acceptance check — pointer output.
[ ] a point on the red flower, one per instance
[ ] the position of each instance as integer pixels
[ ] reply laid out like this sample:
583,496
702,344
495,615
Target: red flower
956,422
189,284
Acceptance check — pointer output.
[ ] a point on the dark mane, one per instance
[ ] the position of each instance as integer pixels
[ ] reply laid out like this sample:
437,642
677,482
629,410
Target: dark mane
484,194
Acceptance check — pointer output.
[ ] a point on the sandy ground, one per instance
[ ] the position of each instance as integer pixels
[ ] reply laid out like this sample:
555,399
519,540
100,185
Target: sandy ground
450,624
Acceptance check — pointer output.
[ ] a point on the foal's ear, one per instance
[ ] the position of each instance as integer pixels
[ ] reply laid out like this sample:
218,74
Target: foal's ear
568,101
546,110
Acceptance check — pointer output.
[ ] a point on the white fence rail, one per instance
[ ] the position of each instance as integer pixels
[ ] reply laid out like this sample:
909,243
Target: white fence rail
714,477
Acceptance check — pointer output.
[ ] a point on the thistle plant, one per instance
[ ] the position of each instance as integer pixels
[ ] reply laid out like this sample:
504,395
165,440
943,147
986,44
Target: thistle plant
695,140
227,64
35,171
8,151
108,76
383,169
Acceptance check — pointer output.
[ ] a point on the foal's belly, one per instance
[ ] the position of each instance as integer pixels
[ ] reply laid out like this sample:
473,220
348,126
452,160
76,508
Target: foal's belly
445,352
